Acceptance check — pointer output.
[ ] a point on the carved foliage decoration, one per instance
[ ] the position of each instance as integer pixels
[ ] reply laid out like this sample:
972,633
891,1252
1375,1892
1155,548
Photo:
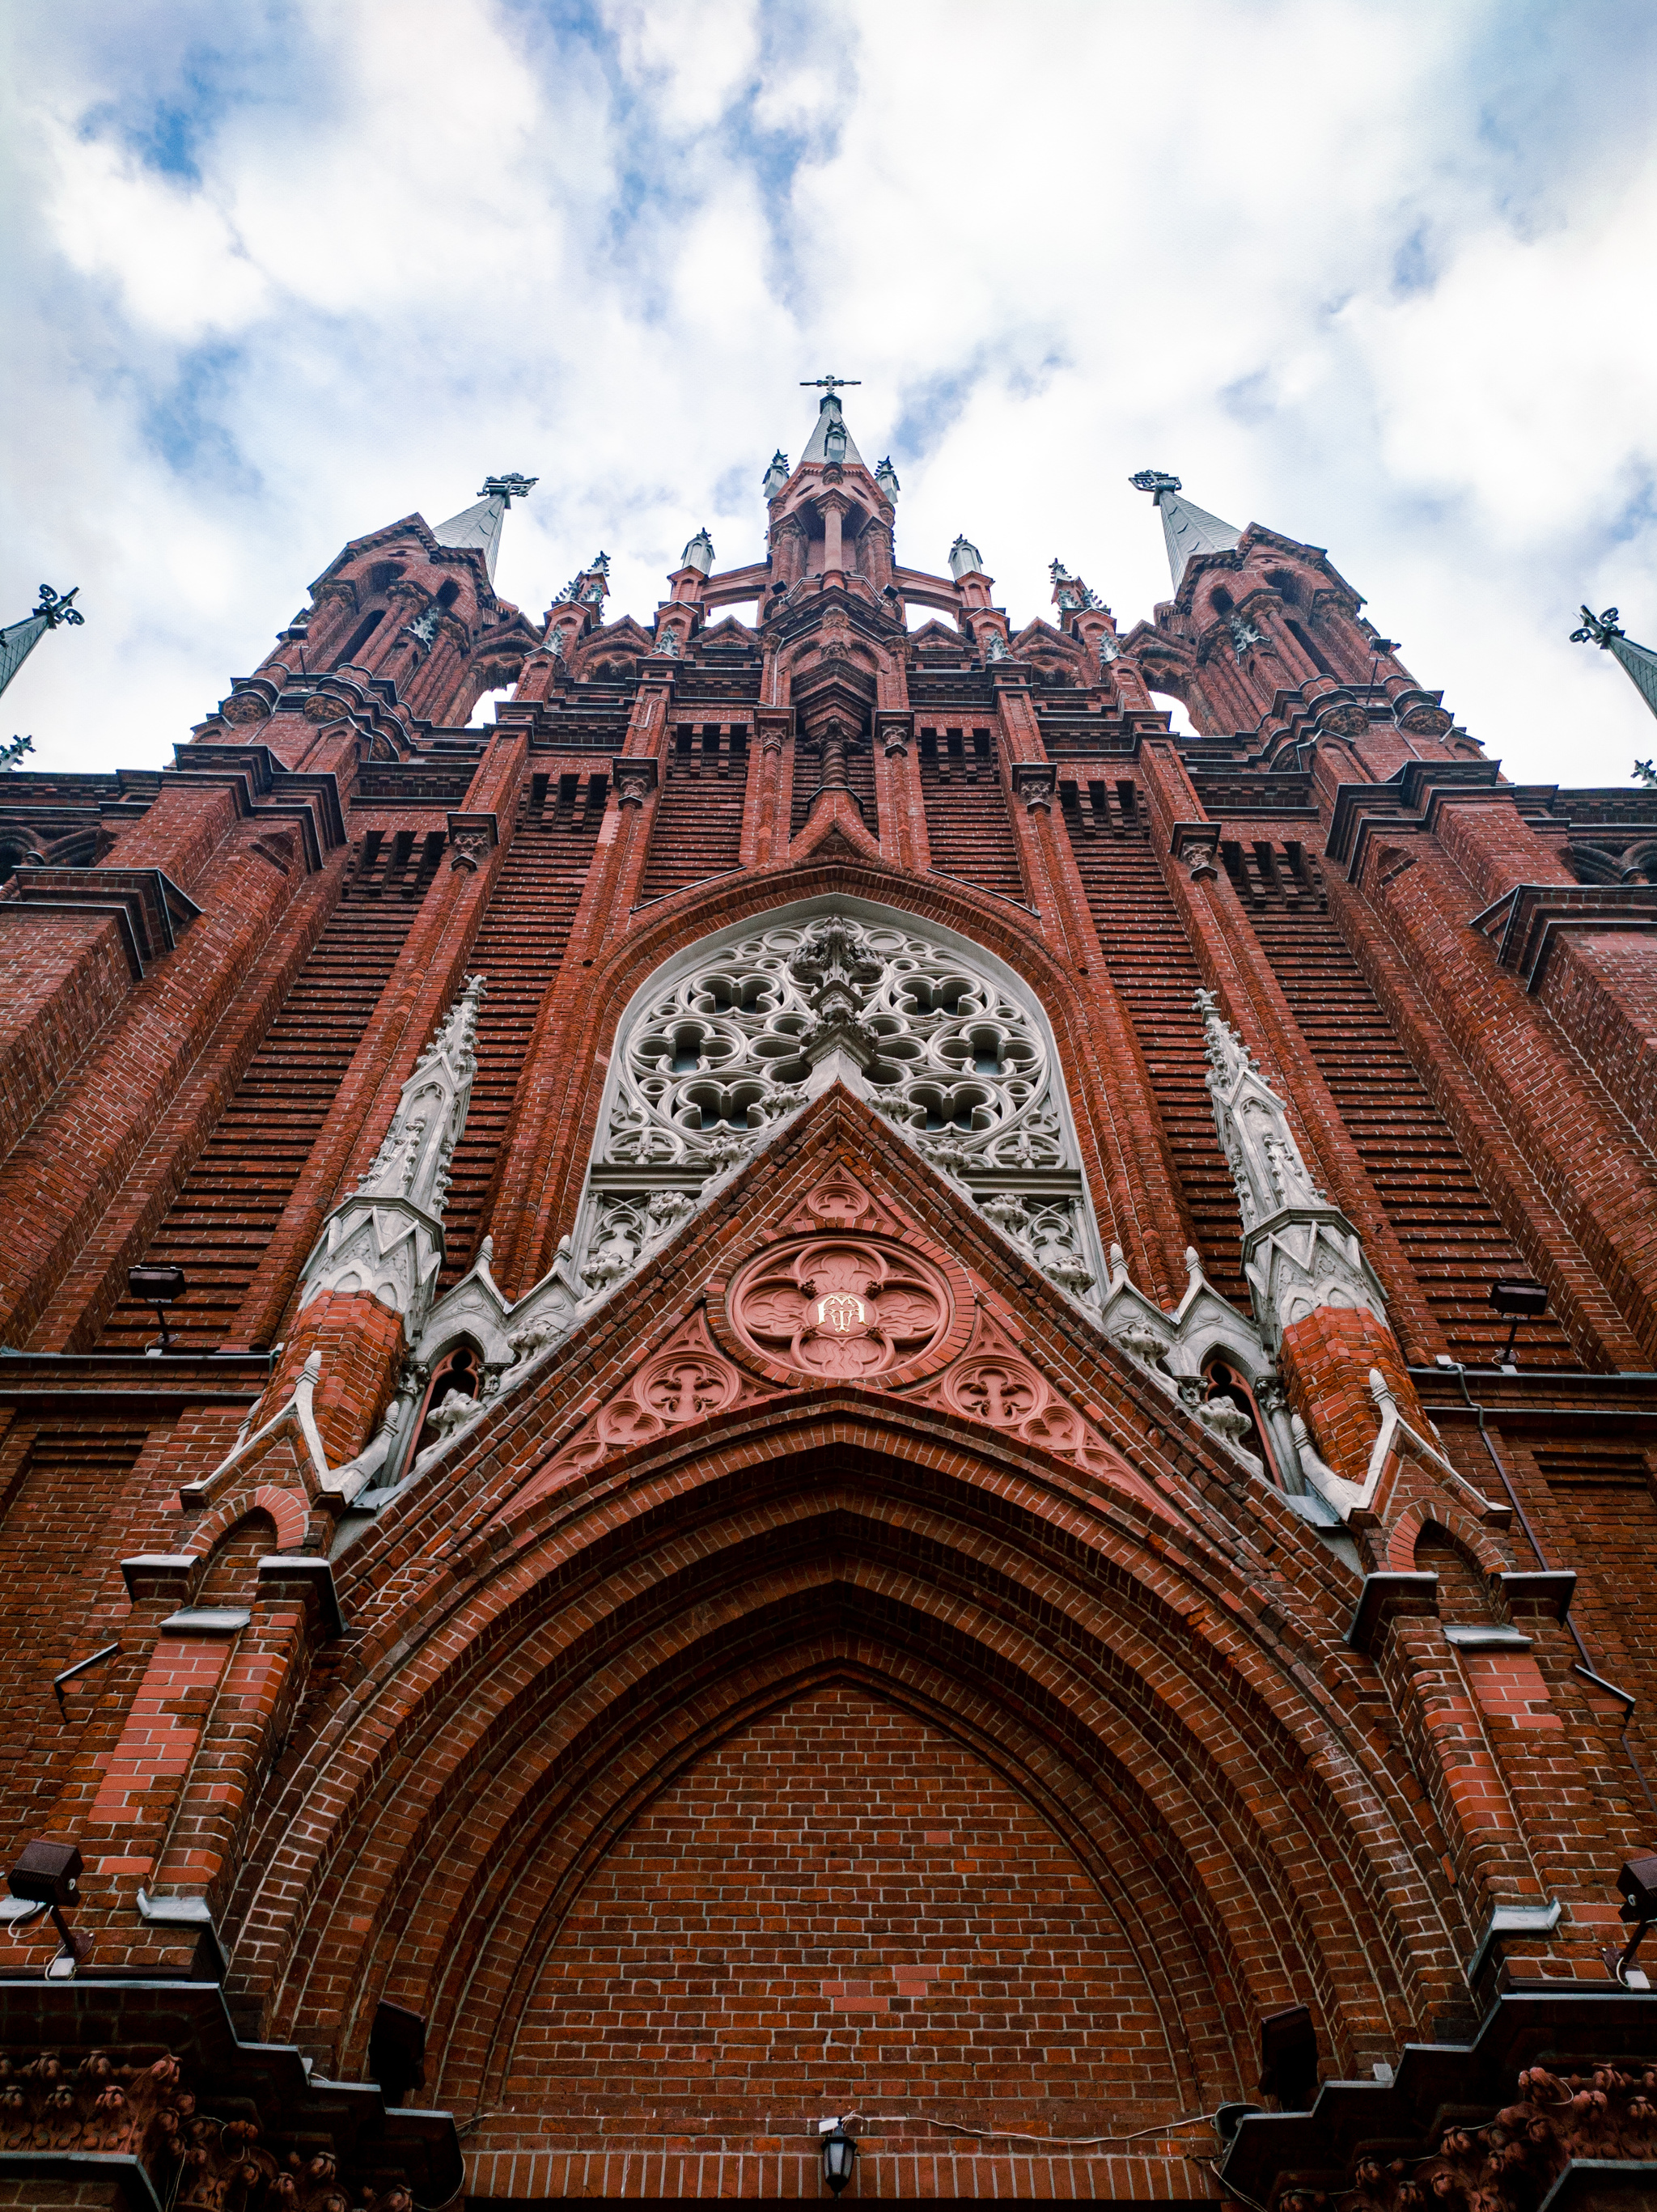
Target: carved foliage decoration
959,1063
689,1379
845,1290
994,1381
1509,2164
198,2163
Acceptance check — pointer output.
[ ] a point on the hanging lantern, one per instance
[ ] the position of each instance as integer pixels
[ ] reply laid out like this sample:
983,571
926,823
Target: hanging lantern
840,2157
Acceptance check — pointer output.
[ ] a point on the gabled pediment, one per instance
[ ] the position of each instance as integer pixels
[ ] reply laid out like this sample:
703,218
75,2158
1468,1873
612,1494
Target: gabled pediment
836,1260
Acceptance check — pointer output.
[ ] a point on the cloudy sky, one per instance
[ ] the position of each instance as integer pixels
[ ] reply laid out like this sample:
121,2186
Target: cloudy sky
1377,275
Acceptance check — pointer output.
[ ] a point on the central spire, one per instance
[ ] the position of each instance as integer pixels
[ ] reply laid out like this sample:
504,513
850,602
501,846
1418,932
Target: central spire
1189,530
479,526
831,442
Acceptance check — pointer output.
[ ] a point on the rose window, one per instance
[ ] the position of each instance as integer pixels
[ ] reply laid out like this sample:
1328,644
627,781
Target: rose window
734,1037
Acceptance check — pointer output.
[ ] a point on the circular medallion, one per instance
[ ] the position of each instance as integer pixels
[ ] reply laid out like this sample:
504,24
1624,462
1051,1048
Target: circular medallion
845,1309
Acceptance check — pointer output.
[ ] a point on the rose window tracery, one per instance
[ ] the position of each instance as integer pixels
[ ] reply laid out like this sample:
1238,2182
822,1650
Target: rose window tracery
741,1036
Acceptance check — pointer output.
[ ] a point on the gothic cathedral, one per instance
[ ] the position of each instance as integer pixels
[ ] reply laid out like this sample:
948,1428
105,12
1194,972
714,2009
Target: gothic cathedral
826,1419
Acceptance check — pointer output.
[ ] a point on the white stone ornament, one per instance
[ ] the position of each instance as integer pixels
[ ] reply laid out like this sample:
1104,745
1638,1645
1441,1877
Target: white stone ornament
385,1240
737,1037
1299,1251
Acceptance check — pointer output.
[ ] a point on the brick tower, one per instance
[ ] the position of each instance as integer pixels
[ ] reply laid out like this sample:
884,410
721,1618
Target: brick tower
773,1396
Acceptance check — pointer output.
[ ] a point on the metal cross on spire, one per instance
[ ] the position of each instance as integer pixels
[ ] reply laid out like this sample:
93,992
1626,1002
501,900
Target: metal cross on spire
827,383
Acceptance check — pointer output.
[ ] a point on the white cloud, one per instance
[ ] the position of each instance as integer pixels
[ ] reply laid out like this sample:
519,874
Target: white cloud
1368,272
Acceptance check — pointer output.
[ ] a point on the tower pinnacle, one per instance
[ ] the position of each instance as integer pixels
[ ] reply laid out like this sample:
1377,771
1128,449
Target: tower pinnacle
479,526
1639,662
1187,529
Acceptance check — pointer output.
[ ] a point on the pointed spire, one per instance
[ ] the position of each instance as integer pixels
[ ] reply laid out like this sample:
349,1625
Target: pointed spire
1189,530
886,478
479,526
776,476
588,588
1298,1250
19,640
698,553
831,441
1639,662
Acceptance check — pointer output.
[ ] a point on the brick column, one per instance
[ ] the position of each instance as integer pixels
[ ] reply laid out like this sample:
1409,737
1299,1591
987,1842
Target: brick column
1139,1206
1488,1859
898,795
764,836
555,1057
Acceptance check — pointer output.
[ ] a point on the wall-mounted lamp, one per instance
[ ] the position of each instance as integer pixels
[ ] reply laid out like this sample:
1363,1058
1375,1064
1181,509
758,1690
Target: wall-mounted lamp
1517,1302
48,1877
160,1287
839,2153
1289,2058
1638,1883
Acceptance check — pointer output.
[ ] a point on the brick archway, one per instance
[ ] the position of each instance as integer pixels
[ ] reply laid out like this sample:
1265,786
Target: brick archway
460,1797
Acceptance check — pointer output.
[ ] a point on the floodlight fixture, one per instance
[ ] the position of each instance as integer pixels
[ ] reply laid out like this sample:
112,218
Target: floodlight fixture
159,1287
47,1876
1638,1883
1517,1302
1289,2058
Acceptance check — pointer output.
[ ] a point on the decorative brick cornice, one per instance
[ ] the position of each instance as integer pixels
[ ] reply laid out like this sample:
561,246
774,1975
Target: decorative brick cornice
1532,918
262,787
148,907
1412,800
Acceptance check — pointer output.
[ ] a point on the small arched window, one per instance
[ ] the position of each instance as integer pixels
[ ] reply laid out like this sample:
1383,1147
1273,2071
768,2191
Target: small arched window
360,636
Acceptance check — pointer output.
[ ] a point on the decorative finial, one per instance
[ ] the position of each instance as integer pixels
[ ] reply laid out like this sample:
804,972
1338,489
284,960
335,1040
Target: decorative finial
1156,482
886,478
54,611
965,559
1596,630
509,487
827,383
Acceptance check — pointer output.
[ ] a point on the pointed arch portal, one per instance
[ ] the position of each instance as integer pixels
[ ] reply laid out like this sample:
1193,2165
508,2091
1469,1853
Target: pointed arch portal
828,1755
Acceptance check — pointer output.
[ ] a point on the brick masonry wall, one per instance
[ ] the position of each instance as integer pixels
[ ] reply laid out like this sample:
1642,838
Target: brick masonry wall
840,1908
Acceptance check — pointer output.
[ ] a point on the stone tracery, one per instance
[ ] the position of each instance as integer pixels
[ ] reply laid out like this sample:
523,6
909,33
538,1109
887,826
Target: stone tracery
743,1037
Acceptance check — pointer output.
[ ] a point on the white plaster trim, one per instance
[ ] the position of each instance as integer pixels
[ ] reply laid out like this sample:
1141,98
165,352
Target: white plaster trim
297,1414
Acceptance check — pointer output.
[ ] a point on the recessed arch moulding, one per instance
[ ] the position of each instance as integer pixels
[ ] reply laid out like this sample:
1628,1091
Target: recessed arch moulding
890,1638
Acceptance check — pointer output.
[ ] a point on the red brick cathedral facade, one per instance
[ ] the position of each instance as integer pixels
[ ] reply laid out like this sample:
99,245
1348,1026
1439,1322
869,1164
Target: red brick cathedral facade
832,1442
